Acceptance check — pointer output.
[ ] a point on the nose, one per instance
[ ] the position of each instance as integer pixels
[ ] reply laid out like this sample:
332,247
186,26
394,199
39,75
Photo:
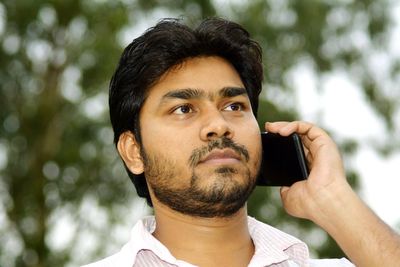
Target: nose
215,126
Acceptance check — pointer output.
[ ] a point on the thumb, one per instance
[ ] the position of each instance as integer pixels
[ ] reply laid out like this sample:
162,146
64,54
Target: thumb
291,200
284,190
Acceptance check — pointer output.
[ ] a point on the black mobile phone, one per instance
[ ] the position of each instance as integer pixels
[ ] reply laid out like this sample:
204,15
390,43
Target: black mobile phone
283,161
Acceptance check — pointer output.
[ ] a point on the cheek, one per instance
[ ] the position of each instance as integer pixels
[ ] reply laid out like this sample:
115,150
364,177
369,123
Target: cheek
176,146
155,135
256,156
256,151
253,141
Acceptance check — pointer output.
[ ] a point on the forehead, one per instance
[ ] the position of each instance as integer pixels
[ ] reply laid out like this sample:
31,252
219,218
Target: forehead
208,74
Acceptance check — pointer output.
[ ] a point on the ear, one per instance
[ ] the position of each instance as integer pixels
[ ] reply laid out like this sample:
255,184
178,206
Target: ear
129,151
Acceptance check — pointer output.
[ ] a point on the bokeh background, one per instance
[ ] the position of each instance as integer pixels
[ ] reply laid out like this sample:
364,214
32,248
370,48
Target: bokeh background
65,199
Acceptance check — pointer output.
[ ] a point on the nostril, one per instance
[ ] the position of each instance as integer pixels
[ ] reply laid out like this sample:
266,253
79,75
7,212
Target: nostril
211,134
227,134
216,129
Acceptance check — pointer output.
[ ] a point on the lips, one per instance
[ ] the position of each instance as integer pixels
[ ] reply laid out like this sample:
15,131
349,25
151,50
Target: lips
221,156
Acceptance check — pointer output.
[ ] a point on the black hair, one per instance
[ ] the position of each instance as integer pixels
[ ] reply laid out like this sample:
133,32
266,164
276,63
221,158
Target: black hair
164,46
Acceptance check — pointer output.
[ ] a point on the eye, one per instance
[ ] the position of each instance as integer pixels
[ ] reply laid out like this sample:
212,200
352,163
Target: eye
184,109
234,107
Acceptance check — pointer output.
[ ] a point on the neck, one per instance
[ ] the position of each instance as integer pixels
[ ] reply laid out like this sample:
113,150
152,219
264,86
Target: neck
205,241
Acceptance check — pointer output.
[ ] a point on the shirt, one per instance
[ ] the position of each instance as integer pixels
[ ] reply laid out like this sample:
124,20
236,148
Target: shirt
272,248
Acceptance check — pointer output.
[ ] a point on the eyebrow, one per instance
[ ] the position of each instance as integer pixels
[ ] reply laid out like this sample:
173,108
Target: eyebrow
187,93
232,91
192,93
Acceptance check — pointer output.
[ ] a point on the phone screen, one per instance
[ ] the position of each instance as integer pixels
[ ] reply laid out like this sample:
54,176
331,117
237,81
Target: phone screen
283,161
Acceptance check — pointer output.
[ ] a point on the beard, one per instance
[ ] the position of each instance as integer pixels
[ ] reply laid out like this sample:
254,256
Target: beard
222,197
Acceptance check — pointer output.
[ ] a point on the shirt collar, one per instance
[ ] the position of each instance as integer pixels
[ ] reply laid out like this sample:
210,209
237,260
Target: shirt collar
271,245
142,239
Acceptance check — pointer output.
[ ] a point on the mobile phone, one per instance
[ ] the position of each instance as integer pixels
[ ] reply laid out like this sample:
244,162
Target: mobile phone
283,161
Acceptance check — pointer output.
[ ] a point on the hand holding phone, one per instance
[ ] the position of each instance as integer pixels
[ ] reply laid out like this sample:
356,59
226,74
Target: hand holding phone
283,160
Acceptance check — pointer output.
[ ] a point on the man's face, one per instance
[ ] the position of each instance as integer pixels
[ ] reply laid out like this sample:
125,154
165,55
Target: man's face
200,140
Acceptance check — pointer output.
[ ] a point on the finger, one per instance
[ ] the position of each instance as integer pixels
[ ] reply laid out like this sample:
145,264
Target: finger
290,203
286,128
275,126
308,133
311,136
299,127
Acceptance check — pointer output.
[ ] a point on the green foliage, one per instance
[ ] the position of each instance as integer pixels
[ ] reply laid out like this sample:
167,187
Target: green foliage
56,60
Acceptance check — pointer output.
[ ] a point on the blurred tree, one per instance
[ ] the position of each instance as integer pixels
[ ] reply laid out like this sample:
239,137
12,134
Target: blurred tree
62,185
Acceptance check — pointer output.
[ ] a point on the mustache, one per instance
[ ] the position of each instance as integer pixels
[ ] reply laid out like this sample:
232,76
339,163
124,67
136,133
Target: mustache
221,143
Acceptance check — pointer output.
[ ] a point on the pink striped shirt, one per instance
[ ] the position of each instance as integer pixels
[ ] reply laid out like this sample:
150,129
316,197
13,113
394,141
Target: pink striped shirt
272,248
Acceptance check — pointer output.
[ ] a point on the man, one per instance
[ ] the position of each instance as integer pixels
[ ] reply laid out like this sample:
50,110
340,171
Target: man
183,104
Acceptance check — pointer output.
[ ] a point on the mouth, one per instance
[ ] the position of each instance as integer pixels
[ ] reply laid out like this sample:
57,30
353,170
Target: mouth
225,156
